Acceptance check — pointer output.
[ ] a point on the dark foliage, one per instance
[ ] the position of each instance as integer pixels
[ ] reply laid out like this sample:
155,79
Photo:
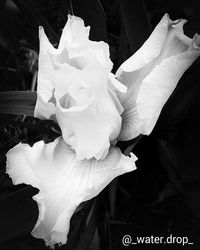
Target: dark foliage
162,196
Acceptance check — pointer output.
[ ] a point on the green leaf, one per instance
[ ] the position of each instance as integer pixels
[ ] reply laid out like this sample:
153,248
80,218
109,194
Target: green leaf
18,102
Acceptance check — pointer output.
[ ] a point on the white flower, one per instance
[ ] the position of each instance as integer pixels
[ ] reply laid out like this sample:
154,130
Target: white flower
73,89
77,90
152,74
64,181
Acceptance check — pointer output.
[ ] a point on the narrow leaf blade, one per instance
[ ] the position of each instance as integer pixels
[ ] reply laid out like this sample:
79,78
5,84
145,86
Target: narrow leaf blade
18,102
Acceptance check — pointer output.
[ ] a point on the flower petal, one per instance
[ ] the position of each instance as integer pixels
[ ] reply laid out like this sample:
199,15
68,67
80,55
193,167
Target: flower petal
64,182
44,109
167,39
151,75
60,70
158,86
176,41
86,111
75,38
149,50
74,33
146,99
89,129
117,84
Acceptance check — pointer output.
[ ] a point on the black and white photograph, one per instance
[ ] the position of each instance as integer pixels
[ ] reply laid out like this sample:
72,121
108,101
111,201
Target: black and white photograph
99,124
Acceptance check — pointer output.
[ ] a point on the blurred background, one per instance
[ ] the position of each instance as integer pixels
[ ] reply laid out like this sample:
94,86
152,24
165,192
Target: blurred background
162,196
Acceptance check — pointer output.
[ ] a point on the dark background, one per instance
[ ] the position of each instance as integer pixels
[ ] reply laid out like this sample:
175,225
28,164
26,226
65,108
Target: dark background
162,196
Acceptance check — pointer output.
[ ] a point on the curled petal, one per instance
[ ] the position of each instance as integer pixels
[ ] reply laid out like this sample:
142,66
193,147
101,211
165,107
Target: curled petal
151,77
75,39
44,109
74,33
73,90
89,127
158,87
75,50
64,182
86,111
150,49
117,84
